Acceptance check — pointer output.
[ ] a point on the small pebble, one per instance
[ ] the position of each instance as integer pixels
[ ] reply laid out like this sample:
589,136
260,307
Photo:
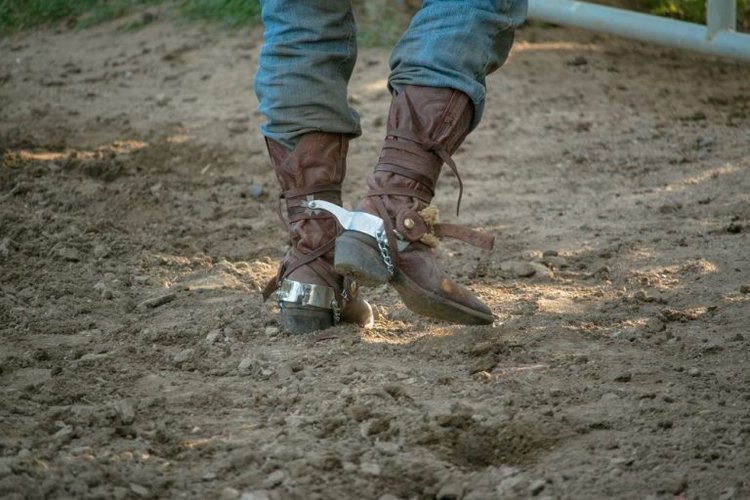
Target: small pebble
623,377
245,366
697,116
5,467
139,490
655,325
370,469
537,487
236,128
675,484
162,100
125,411
256,190
100,251
274,479
387,448
69,254
157,301
694,372
213,337
104,291
540,270
578,61
120,493
452,490
5,248
728,494
183,356
518,268
229,494
557,262
255,495
271,331
705,141
93,356
670,207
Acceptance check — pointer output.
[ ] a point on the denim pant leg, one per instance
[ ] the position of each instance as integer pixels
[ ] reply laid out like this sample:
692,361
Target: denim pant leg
307,58
455,44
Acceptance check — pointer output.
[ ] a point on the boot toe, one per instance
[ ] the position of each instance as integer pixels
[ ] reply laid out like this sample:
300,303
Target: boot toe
426,290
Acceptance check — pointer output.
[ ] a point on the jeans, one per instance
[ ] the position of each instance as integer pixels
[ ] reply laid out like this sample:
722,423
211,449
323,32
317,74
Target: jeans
310,48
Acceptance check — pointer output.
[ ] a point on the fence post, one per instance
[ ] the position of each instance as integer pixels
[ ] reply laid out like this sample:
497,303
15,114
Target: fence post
721,15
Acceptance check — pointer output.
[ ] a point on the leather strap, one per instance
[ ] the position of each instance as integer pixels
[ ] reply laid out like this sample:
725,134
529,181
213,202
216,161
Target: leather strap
407,218
395,191
471,236
295,259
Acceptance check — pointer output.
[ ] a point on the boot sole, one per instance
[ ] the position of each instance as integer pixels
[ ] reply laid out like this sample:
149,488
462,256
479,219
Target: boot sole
298,320
356,258
427,303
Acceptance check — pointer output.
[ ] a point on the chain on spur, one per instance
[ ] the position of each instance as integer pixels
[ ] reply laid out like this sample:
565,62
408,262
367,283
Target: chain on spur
385,253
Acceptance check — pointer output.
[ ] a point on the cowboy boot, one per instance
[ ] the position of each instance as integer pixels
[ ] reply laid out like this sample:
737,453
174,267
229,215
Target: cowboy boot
425,126
311,295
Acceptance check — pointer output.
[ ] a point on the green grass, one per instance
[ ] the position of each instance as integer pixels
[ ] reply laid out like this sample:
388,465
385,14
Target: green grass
228,13
17,15
695,10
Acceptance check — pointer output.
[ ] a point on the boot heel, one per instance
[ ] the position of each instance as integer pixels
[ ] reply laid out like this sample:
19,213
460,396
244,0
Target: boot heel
298,320
358,260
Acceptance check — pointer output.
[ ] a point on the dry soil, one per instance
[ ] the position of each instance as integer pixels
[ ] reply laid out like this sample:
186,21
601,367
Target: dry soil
138,223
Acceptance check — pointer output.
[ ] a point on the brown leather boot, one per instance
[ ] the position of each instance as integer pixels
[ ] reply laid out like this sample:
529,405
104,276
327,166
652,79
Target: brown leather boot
425,126
310,293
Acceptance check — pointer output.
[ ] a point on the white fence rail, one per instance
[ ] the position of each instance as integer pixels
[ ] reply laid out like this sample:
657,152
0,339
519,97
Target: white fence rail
718,37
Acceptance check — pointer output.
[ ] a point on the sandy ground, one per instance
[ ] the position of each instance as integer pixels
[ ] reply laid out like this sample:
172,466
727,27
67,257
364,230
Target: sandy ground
138,222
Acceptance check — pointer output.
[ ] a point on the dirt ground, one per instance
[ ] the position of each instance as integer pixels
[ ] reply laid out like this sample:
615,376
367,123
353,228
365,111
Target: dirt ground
138,223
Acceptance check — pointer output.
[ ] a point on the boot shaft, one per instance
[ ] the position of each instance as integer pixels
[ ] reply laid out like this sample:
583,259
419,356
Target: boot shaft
433,118
425,127
318,158
314,169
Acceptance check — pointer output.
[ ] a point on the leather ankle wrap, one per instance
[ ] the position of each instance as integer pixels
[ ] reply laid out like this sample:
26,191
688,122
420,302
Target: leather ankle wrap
426,126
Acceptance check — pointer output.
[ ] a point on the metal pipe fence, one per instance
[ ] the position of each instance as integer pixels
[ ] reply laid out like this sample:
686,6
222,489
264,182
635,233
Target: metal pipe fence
717,37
